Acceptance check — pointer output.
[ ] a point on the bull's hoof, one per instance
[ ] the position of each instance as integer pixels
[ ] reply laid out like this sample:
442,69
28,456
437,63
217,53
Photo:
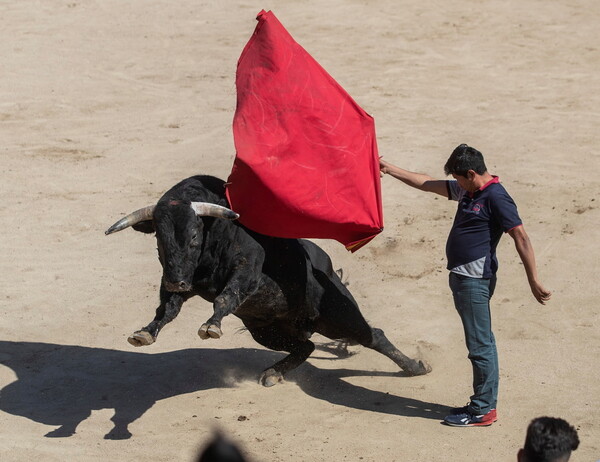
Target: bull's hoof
140,338
417,368
207,331
270,377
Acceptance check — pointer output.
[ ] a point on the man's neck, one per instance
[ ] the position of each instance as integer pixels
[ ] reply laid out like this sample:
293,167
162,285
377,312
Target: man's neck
482,180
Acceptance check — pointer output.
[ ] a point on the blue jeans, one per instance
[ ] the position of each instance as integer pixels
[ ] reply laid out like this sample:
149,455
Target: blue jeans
472,301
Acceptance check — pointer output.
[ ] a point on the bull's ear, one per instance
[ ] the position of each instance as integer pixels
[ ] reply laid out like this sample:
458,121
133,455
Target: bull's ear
146,227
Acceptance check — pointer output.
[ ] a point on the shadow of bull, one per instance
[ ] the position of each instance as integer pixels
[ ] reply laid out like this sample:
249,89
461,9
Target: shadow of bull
61,385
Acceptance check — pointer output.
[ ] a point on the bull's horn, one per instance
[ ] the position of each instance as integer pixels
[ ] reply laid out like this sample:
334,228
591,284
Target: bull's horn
132,219
206,209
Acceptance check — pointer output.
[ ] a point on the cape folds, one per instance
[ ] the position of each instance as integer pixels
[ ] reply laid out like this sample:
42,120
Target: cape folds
306,161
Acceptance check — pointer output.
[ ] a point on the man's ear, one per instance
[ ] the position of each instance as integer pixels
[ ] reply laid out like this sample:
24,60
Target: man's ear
471,175
146,227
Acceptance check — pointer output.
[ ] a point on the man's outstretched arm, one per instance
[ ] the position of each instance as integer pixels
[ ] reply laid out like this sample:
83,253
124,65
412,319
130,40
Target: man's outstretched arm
525,250
416,180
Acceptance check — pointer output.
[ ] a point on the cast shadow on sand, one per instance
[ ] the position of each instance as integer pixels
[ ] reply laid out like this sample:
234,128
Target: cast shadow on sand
61,385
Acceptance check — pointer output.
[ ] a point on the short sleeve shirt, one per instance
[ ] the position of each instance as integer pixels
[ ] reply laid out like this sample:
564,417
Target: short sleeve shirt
480,220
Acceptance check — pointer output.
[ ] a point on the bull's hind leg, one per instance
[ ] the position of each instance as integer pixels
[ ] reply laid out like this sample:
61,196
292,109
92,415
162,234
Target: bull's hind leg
380,343
340,318
274,339
298,354
359,331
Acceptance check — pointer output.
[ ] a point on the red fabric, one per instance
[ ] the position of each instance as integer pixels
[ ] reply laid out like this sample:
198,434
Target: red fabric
306,161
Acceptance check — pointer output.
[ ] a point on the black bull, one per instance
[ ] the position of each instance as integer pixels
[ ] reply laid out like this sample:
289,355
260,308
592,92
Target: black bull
283,290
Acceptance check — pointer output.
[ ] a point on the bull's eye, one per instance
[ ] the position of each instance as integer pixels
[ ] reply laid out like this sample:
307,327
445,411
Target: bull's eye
195,242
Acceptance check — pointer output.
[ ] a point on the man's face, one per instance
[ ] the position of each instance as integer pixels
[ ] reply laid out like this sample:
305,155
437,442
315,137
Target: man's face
468,182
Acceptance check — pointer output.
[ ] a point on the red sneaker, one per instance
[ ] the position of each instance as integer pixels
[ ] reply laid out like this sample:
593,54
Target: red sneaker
467,419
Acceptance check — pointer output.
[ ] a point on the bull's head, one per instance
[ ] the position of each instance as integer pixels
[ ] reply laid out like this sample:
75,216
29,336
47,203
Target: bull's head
179,231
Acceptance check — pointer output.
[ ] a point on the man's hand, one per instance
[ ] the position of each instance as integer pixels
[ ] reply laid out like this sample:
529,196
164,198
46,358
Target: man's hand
540,293
383,166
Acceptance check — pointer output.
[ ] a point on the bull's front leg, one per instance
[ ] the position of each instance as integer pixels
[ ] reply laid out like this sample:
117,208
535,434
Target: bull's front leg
170,305
243,281
225,303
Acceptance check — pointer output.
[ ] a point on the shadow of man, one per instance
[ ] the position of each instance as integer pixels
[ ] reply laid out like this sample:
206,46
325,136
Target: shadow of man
62,384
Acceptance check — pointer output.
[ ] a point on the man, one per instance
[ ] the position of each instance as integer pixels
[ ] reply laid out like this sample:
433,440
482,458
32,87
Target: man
485,211
548,440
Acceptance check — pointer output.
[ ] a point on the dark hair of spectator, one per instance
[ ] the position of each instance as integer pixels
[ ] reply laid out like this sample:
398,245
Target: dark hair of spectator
463,159
550,439
220,450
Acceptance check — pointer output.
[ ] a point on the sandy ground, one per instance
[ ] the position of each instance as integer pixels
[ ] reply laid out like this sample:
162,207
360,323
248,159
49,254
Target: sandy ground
105,104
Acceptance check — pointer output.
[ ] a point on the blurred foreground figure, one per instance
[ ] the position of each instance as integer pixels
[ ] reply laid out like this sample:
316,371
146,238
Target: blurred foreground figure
220,450
549,440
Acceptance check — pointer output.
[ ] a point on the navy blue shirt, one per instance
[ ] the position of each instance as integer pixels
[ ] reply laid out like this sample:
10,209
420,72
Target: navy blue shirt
480,220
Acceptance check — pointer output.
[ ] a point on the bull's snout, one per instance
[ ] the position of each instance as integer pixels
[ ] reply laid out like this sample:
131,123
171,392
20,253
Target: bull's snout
180,286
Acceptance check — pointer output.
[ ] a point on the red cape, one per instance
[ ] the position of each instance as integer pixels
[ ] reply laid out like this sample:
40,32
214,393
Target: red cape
306,161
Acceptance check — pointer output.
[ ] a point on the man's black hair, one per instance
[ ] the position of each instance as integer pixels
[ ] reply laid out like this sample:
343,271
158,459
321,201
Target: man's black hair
463,159
550,439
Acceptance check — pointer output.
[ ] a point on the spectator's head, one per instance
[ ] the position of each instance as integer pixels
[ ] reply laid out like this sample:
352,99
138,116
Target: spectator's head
549,440
220,450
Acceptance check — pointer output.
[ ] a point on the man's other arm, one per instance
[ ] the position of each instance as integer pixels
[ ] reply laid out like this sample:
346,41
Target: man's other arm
525,250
